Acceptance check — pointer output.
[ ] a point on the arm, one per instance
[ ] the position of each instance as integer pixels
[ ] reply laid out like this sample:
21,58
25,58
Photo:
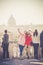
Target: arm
20,32
31,32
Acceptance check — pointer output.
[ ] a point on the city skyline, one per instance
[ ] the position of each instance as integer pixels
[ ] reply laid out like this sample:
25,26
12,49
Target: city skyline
24,12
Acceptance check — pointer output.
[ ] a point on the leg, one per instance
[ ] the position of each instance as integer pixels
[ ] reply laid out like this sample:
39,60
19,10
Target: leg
27,52
3,53
42,52
21,49
7,53
36,52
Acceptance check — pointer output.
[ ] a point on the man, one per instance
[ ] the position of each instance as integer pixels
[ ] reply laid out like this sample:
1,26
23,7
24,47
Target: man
41,42
5,44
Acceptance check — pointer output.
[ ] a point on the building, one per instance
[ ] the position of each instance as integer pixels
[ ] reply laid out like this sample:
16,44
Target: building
11,21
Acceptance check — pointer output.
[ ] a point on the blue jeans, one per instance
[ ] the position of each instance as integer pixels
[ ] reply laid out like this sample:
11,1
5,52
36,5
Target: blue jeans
21,49
36,50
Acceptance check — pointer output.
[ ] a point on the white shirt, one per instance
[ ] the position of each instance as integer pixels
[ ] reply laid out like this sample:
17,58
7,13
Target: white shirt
36,39
21,40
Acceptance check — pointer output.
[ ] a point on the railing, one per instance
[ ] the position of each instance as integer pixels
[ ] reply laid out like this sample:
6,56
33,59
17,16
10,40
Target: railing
10,42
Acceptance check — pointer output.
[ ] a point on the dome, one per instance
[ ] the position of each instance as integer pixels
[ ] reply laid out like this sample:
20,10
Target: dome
11,21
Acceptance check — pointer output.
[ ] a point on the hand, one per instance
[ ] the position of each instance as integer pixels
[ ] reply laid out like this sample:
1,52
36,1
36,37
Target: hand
40,48
18,30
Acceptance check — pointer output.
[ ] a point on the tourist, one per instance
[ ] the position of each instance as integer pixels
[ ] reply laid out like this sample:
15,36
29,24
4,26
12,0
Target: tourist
35,43
5,44
21,41
28,43
41,42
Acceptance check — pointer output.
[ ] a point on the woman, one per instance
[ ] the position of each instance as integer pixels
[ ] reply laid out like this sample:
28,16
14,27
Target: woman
21,41
28,43
35,43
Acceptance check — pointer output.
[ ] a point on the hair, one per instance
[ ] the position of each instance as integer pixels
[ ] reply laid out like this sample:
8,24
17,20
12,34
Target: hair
35,33
5,31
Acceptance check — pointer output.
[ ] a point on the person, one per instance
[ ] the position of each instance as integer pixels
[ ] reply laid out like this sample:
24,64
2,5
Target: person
28,43
35,43
5,44
41,42
21,41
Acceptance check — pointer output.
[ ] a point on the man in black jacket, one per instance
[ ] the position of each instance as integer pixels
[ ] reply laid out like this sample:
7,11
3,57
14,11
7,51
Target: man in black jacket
41,42
5,44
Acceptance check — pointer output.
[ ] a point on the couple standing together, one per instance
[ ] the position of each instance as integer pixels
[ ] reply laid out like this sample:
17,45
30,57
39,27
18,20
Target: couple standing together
24,40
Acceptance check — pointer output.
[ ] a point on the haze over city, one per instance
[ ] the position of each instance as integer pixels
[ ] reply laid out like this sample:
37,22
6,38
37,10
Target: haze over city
24,11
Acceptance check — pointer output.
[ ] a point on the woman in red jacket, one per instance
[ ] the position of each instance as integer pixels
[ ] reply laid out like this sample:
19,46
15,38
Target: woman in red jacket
28,39
28,43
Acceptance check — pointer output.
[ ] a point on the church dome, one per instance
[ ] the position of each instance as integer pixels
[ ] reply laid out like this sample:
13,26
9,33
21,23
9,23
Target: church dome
11,21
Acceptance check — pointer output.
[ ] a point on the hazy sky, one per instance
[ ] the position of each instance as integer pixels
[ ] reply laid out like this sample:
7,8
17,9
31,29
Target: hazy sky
24,11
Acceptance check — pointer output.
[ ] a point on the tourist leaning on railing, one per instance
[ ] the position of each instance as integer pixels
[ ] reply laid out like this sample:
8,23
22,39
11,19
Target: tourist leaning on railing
5,44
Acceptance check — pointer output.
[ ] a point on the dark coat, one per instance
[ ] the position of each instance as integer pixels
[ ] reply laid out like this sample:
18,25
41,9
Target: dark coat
5,42
41,39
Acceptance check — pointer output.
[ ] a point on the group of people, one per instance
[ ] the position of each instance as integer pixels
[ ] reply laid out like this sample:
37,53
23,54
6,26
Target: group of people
24,39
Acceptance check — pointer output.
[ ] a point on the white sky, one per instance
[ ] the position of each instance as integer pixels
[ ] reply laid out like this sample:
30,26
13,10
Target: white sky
24,11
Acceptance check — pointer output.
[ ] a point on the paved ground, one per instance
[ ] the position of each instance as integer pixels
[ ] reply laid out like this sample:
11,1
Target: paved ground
21,62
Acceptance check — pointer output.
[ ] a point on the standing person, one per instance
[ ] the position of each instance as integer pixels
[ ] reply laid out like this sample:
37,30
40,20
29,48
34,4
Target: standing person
28,43
21,41
35,43
41,42
5,44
